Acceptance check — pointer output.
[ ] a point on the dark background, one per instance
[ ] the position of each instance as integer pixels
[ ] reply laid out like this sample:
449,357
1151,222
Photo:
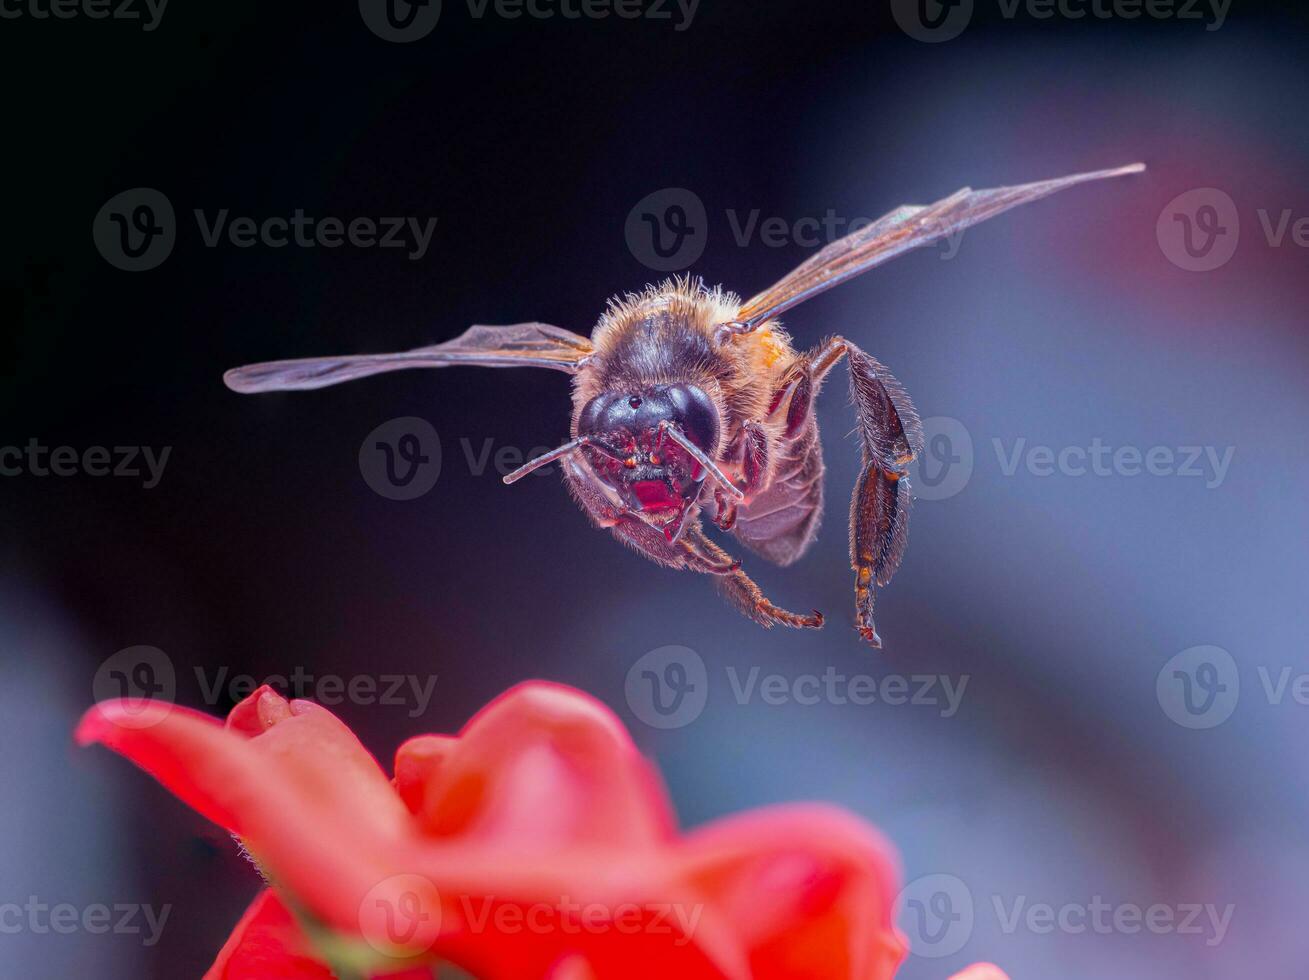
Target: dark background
1061,777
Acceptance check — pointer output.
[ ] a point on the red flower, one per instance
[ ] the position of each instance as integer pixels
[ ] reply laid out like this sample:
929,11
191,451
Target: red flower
536,843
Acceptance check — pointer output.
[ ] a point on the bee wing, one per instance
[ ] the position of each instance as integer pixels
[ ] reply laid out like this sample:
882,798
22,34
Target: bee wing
907,227
519,345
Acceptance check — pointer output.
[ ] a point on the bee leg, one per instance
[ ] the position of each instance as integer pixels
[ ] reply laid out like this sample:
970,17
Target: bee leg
752,449
725,516
891,436
743,592
795,395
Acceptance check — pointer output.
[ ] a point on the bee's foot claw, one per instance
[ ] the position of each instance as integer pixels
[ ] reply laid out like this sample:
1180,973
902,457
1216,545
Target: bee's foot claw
774,614
869,634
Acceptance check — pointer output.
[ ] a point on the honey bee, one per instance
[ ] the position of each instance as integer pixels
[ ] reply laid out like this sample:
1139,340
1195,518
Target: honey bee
688,402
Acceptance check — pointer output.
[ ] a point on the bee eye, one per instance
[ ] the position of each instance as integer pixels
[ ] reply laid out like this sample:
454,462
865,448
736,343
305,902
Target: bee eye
695,412
686,405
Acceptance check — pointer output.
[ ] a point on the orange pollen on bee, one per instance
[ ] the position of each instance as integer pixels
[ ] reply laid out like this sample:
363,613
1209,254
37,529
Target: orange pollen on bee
771,348
630,462
654,459
865,574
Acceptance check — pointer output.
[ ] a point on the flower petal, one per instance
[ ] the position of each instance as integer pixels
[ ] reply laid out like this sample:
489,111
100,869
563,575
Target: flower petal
319,816
294,794
809,889
541,766
542,805
267,945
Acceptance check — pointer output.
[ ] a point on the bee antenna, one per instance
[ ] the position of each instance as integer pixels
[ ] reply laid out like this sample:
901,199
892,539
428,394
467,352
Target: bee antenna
546,459
698,454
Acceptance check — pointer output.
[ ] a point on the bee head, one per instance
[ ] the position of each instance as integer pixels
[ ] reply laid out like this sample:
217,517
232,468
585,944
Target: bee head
632,451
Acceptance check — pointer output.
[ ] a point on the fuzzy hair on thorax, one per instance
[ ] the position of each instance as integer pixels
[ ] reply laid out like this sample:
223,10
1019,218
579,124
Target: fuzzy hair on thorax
666,335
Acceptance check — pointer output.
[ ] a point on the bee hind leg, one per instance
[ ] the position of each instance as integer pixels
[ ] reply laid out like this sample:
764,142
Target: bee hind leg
741,590
890,435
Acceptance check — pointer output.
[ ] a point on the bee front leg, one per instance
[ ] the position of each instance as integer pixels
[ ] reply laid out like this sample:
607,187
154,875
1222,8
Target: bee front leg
751,450
742,591
608,512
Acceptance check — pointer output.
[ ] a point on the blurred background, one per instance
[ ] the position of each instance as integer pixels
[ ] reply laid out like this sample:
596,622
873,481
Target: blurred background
1104,591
